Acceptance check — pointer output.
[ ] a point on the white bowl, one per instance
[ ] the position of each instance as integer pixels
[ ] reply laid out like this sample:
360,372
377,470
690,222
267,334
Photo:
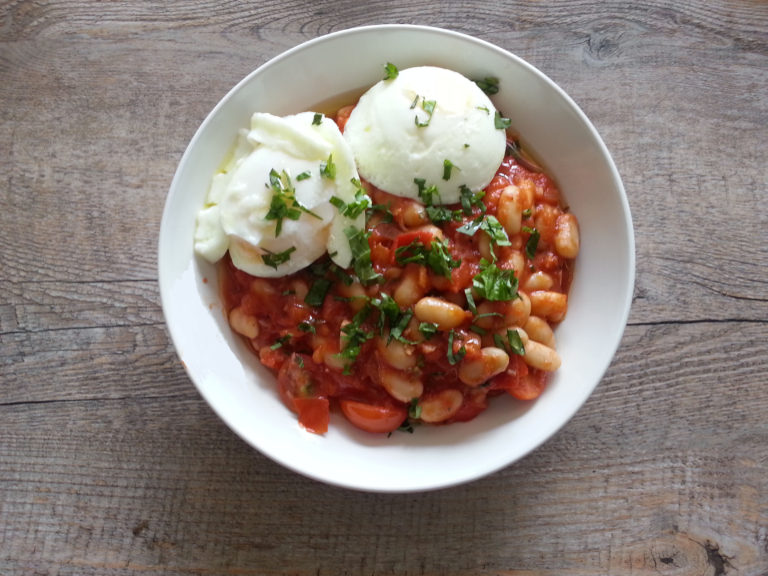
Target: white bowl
244,393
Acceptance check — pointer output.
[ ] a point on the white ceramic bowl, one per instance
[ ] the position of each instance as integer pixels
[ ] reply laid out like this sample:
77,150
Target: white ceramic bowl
244,394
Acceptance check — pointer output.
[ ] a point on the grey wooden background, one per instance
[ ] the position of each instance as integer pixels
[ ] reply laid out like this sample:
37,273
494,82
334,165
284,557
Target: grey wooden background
110,462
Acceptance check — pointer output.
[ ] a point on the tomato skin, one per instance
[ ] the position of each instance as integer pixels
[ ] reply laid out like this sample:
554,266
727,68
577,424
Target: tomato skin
424,236
372,417
314,413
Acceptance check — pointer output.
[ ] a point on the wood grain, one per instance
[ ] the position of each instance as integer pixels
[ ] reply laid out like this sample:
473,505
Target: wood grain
112,464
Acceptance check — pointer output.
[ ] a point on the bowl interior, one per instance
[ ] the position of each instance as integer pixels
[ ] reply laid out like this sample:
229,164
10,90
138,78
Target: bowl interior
243,393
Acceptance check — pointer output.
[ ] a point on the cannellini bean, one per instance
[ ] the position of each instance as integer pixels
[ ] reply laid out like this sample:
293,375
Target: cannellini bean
414,215
491,361
540,330
414,283
243,324
484,246
548,304
510,211
527,193
300,289
515,261
518,310
441,406
538,281
567,236
356,294
436,310
396,354
403,386
537,355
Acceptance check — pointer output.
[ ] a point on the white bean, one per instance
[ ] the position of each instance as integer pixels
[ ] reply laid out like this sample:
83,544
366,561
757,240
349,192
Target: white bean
510,211
441,406
491,361
436,310
396,354
243,324
567,236
548,304
540,330
537,355
403,386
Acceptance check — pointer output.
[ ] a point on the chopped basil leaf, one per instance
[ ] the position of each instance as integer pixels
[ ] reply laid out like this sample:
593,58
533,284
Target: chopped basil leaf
299,360
527,213
384,209
316,294
396,330
307,327
454,358
484,109
495,284
532,243
501,123
471,199
283,203
442,214
512,344
414,410
317,119
427,329
436,256
390,71
303,176
495,230
280,341
328,168
354,336
489,85
469,228
429,107
470,300
448,167
274,260
361,255
353,209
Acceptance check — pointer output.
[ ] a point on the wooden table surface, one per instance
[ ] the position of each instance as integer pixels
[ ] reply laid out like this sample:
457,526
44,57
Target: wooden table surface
112,464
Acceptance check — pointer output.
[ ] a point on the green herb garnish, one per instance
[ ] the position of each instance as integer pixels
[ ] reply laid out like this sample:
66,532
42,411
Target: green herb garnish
283,203
361,255
501,123
317,119
427,329
489,85
274,260
328,168
390,71
495,284
414,410
280,341
454,358
316,294
429,107
532,243
448,167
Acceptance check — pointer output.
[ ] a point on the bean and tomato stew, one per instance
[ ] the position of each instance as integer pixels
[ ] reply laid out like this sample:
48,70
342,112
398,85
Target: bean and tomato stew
445,307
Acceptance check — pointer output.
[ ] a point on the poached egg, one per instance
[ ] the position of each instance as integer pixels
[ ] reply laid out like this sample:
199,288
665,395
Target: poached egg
271,205
427,123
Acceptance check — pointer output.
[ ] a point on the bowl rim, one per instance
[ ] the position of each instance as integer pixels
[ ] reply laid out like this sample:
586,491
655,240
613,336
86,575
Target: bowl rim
367,29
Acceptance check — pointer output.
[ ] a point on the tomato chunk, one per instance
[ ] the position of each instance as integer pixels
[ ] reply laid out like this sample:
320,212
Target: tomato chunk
314,413
372,417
